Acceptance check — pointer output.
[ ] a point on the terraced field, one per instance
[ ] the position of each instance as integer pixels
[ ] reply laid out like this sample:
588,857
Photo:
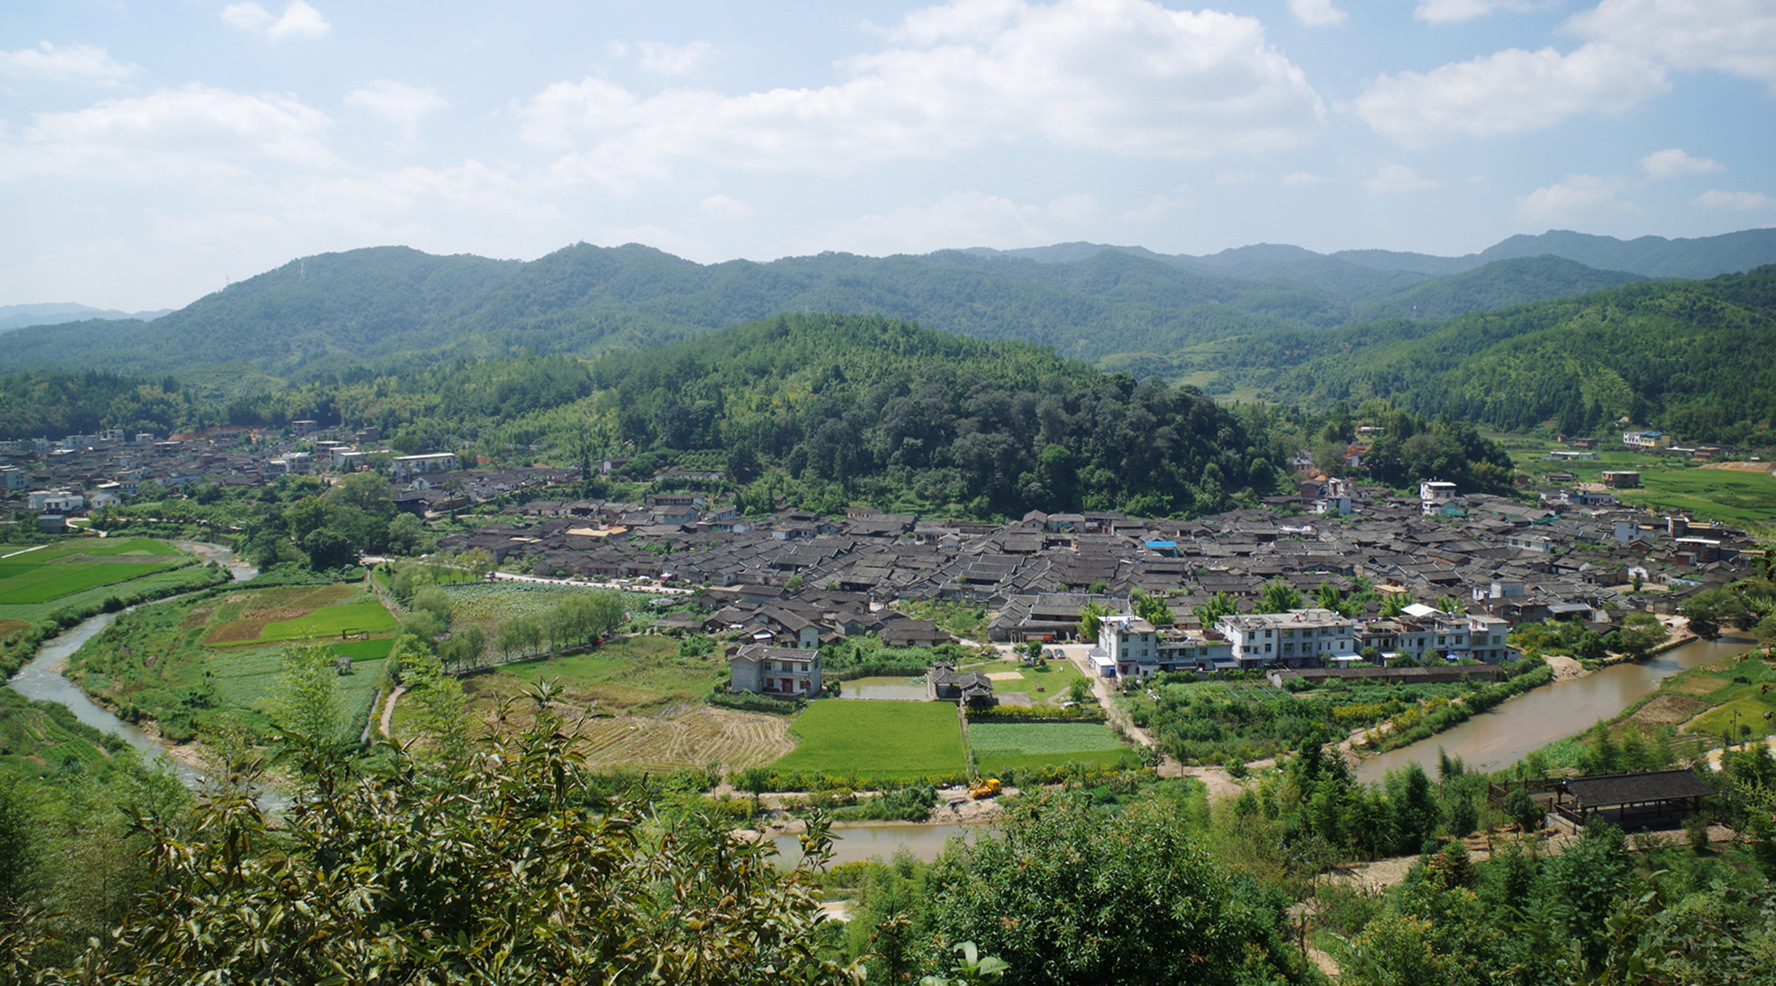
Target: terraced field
691,736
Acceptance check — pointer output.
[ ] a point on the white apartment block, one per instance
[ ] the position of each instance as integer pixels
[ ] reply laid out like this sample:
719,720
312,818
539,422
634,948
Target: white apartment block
1454,637
1300,638
1434,495
1130,647
56,501
414,465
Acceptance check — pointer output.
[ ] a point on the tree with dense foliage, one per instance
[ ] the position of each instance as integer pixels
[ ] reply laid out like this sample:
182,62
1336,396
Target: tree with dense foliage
506,869
1278,597
1068,893
1151,608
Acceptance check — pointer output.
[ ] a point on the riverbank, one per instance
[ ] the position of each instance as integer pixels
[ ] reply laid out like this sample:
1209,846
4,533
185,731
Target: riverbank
1497,738
41,677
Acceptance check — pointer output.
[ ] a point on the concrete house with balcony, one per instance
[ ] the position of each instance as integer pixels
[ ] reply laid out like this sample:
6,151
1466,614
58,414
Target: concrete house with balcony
1130,647
781,672
1300,638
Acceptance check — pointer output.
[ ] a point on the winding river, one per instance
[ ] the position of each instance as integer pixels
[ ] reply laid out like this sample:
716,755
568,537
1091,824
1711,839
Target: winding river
1498,738
1490,741
41,680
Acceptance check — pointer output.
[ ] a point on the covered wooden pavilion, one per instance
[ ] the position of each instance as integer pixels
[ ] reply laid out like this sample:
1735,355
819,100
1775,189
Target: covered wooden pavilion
1631,798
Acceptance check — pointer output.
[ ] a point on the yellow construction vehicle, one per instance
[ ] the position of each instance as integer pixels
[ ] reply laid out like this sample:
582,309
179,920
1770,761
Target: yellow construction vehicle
986,787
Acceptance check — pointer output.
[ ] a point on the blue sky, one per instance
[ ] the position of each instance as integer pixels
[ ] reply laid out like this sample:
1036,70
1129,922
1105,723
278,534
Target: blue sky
149,151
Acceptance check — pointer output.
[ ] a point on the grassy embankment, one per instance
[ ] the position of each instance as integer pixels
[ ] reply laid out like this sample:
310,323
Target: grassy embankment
188,664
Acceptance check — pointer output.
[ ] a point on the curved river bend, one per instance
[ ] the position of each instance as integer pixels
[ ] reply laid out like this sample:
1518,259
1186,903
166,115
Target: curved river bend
41,680
1499,737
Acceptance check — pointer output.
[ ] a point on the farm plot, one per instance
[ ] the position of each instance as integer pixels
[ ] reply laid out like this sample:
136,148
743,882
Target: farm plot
878,739
36,583
488,605
1045,685
369,616
295,613
1001,745
630,674
52,572
694,737
186,663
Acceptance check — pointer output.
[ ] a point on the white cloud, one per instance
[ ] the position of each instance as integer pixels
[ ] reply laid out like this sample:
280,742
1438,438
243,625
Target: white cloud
666,59
723,207
299,20
1398,178
1734,36
1456,11
402,105
1508,92
1714,198
963,219
190,133
1576,197
1157,206
1317,13
1126,76
73,63
1672,162
960,21
1304,178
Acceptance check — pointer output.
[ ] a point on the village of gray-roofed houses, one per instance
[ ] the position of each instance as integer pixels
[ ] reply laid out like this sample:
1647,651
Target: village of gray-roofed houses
798,577
1575,556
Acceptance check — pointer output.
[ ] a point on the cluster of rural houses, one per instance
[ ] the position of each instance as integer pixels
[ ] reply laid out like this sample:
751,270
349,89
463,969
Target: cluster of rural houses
62,480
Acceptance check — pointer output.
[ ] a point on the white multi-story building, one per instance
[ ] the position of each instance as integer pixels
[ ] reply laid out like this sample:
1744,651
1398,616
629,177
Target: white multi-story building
56,501
1645,441
1130,647
1451,636
1434,495
1300,638
414,465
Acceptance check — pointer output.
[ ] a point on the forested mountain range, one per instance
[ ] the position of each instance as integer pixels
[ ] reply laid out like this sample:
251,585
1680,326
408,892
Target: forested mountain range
391,308
1693,357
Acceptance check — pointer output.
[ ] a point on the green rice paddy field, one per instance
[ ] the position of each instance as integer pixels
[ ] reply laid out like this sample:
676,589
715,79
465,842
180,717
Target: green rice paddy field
1001,745
36,581
1704,492
876,739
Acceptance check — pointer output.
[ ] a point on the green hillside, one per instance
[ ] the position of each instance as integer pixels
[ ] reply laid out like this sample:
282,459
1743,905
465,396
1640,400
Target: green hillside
334,316
1690,357
888,409
1500,284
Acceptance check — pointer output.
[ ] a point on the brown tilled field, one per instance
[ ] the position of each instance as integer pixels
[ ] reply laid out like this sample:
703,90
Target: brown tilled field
1668,710
695,737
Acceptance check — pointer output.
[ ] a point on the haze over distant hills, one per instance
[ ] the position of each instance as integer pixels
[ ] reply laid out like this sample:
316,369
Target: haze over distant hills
24,316
391,307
